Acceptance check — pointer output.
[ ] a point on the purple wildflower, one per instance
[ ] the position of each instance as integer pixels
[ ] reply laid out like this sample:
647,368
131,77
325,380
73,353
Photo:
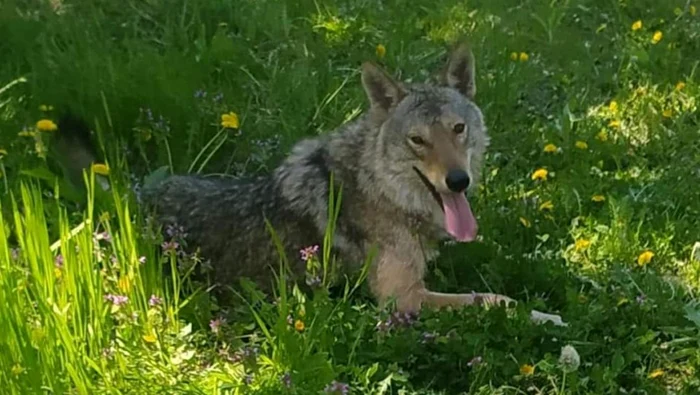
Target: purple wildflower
336,387
308,252
218,97
117,300
170,246
200,94
403,319
103,236
58,261
155,300
286,380
476,361
216,324
175,232
396,320
250,351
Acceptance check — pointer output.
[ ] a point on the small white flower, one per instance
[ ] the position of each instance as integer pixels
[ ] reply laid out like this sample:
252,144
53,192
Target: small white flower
569,359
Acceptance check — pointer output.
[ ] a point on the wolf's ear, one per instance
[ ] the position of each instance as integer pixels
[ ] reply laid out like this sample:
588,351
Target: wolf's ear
383,92
459,72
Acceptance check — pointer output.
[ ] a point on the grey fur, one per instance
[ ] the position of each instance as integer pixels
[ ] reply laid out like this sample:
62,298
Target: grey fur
383,198
391,163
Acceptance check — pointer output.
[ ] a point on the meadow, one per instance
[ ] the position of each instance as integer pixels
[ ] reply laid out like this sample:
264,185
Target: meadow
590,206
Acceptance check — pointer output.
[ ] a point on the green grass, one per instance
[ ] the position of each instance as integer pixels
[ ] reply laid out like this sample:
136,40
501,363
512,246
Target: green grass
289,69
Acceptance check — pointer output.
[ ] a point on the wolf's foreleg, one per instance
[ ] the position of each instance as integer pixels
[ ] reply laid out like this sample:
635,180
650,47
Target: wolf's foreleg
400,278
437,299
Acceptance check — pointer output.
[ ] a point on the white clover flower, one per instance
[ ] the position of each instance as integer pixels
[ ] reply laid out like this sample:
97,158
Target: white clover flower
569,359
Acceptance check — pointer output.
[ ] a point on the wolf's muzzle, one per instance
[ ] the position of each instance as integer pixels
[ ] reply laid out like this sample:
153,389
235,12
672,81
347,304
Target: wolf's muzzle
457,180
430,187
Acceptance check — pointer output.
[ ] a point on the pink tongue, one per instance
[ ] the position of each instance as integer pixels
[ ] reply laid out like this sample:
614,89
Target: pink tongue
459,219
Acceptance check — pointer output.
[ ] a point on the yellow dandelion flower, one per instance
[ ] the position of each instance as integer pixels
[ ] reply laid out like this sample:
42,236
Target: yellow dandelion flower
614,123
523,57
548,205
46,125
693,10
150,338
667,113
550,148
680,85
229,120
602,135
513,56
581,145
656,373
637,25
527,370
613,107
581,244
540,174
100,168
644,258
598,198
299,325
658,35
381,51
525,222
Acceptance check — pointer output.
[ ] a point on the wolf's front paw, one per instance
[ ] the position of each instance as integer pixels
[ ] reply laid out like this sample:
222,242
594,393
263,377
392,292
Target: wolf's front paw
540,317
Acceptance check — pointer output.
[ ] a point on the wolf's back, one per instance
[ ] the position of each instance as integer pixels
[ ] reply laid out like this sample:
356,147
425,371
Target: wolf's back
227,220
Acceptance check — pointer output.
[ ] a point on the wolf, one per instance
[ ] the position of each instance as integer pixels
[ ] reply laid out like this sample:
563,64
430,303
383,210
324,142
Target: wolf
406,166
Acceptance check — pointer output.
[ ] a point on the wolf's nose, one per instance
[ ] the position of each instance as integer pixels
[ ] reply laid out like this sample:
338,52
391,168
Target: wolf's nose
457,180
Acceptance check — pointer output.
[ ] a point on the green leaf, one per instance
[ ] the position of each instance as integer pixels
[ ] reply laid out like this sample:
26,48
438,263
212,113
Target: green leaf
692,313
618,362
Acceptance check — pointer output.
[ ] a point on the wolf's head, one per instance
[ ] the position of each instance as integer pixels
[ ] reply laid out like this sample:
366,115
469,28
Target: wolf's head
430,143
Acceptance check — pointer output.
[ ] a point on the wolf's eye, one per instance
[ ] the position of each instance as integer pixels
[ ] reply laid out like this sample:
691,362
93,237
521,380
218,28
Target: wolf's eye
459,128
417,140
